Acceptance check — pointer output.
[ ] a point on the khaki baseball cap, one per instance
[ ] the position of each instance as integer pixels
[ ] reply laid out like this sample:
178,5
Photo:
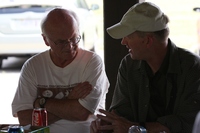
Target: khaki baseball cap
144,16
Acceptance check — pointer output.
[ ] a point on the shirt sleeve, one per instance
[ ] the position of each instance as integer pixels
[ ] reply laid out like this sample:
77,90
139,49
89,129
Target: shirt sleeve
26,91
96,75
196,127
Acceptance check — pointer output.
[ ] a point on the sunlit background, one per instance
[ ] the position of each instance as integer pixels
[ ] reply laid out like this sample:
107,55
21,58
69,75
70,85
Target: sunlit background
183,22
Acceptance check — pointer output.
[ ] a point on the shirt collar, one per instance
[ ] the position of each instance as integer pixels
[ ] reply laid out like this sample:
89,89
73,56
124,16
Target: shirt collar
174,64
171,62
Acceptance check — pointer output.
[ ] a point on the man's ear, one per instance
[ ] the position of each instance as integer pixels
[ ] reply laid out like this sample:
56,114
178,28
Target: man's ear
45,39
149,41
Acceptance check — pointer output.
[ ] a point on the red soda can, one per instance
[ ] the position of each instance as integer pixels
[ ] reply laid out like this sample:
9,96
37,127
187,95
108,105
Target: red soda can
39,117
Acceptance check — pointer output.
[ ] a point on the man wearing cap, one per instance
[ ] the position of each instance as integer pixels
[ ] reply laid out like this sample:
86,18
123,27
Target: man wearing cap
158,83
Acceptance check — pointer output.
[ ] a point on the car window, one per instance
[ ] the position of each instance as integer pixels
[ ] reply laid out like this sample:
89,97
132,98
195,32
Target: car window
81,4
25,8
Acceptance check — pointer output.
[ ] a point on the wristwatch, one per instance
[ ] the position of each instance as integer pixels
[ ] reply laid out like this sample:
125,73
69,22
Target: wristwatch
42,102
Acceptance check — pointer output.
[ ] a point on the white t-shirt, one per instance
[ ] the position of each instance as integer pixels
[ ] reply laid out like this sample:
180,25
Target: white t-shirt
196,126
39,76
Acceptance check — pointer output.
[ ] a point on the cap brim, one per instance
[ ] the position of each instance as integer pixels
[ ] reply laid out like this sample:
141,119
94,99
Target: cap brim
118,31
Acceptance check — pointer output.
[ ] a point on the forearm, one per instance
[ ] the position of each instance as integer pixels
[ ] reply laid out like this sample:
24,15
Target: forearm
25,117
67,109
156,127
52,118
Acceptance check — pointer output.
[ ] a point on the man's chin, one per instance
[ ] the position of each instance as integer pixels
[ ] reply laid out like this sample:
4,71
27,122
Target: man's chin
132,57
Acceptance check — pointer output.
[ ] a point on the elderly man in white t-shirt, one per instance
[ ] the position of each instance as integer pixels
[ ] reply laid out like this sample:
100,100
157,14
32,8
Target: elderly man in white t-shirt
70,82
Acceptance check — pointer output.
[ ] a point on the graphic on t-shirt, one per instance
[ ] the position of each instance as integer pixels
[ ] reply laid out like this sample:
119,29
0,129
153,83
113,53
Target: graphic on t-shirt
54,91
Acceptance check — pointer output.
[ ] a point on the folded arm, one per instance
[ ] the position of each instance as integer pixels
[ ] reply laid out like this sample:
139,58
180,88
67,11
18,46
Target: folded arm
69,109
25,117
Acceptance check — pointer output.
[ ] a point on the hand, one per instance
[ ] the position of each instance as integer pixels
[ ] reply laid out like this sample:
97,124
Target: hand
112,123
95,126
80,91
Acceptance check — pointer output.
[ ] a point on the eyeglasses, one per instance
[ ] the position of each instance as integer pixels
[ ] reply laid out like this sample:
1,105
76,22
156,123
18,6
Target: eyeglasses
73,41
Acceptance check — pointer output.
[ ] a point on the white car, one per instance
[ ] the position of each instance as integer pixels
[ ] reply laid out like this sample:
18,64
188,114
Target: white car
20,33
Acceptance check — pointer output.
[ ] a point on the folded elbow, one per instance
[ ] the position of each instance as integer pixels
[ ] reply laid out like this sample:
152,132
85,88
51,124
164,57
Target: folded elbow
83,116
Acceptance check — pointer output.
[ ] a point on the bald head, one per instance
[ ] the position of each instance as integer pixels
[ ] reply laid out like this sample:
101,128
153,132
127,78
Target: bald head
59,19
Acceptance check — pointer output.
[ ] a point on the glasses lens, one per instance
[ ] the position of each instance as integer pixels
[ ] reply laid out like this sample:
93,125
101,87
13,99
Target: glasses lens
72,41
77,39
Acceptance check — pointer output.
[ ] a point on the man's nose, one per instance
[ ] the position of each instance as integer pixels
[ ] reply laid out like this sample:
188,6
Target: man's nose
69,45
123,41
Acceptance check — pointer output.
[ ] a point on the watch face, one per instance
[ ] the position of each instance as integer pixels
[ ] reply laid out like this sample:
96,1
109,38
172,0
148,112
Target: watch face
42,101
